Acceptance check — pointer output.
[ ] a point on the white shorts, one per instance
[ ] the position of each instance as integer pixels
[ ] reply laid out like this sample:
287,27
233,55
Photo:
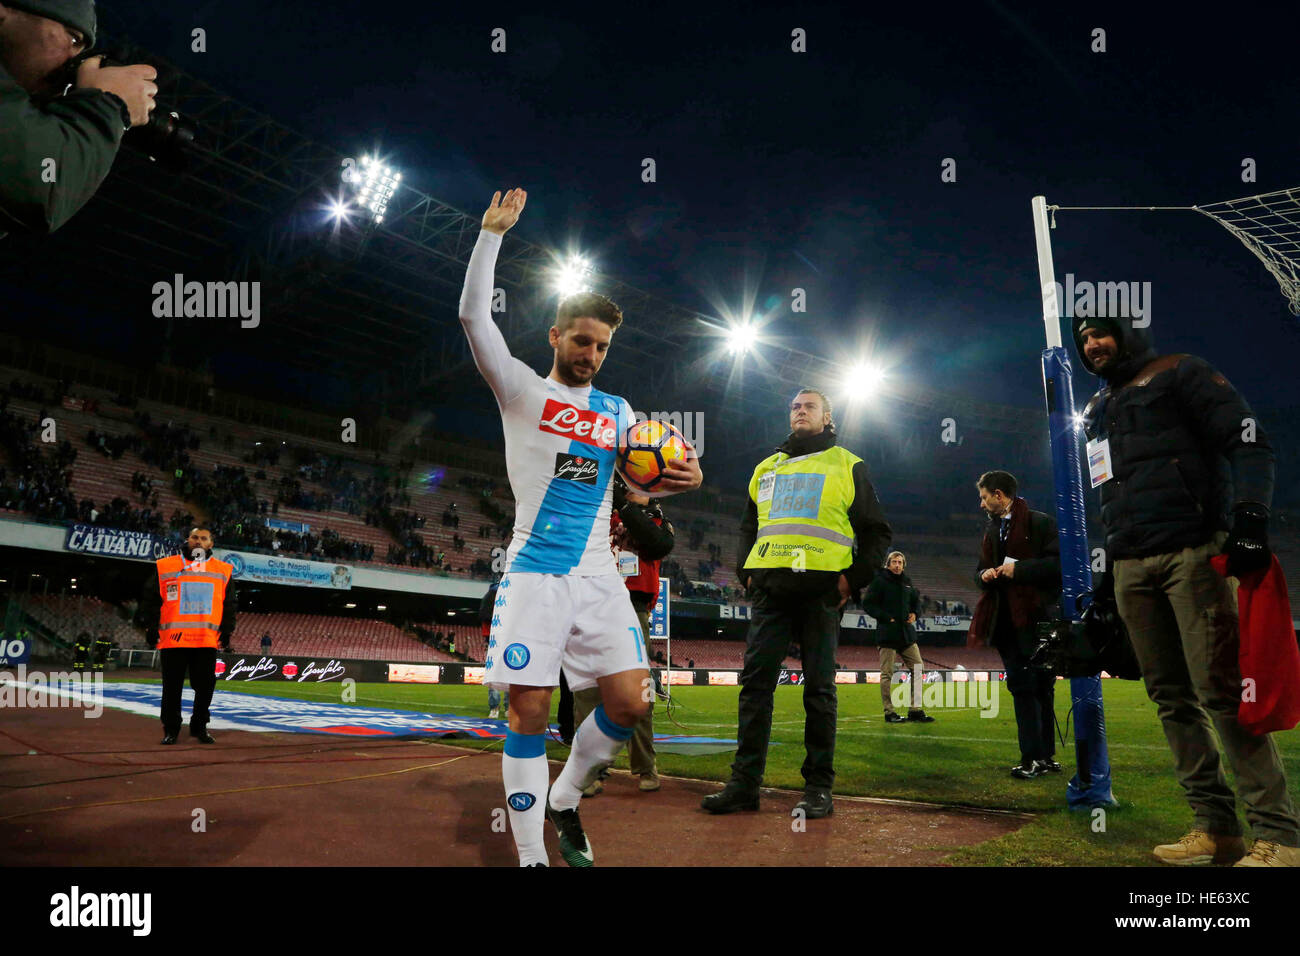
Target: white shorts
544,621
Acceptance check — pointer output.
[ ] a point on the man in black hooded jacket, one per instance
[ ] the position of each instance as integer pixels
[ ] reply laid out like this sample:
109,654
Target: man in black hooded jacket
807,503
1185,473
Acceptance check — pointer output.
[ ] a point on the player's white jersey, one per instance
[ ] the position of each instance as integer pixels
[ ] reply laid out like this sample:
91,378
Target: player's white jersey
561,443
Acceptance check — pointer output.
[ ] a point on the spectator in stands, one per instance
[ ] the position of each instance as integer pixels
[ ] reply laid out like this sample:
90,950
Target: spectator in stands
893,601
266,644
1189,478
805,505
1020,574
642,537
188,607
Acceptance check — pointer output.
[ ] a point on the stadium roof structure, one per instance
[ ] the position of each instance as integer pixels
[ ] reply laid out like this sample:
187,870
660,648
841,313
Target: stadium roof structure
375,304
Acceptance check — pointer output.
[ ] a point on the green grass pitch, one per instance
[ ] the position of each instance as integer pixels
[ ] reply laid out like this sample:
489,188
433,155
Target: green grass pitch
962,759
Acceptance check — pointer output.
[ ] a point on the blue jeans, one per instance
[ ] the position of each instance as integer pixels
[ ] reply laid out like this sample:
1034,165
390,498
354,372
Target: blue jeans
498,698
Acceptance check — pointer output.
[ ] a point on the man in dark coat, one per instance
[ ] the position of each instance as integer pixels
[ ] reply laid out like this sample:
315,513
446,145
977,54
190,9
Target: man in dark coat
1020,574
1186,472
55,150
894,602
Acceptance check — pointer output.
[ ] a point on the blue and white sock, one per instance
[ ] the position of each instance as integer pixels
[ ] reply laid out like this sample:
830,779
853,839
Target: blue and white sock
526,775
595,745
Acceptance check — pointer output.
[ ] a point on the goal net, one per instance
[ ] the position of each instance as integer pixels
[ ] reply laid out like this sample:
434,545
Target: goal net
1269,226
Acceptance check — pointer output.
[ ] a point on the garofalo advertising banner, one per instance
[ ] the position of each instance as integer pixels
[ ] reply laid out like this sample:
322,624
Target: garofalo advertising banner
114,542
269,569
300,670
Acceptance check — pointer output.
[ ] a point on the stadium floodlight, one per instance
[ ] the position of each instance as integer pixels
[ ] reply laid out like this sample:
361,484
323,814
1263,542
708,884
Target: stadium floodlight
862,380
339,210
375,184
741,338
573,276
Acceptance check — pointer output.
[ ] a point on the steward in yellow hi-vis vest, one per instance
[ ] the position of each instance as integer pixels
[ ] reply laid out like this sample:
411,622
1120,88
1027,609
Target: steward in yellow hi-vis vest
190,606
807,504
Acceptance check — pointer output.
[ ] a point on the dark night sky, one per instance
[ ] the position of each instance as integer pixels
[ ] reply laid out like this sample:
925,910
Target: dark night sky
819,170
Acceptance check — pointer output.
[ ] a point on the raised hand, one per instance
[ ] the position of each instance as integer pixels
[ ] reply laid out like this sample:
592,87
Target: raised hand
504,213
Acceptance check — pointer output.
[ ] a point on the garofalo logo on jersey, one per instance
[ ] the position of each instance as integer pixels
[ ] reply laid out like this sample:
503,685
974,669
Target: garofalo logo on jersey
575,468
584,425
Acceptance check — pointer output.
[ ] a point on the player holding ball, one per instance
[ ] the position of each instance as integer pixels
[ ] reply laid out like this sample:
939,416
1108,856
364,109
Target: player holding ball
561,601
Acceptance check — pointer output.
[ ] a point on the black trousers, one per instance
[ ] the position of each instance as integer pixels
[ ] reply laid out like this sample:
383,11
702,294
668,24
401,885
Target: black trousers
815,625
1033,692
564,718
201,663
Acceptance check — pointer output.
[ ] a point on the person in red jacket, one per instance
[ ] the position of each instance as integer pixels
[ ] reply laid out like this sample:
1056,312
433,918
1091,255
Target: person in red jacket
643,538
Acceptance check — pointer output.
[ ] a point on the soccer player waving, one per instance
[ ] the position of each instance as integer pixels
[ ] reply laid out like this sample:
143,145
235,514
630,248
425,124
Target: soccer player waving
561,600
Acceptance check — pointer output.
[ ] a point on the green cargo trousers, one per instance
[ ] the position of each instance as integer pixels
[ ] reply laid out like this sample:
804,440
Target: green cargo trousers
1182,617
640,746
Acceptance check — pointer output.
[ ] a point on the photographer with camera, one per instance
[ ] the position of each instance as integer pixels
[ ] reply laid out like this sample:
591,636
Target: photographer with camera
1019,574
1175,450
56,148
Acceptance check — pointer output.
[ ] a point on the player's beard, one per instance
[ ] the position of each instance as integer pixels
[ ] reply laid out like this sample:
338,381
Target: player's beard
571,372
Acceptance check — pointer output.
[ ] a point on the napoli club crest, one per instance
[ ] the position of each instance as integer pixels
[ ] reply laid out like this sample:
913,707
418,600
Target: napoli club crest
516,657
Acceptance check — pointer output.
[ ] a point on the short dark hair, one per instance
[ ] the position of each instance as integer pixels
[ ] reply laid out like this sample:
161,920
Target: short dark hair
588,305
1002,481
201,527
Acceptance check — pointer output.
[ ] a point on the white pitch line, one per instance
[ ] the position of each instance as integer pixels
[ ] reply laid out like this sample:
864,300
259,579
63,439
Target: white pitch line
1111,744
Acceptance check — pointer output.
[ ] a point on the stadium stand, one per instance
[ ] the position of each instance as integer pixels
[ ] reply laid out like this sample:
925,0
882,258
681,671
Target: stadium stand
391,511
69,615
317,635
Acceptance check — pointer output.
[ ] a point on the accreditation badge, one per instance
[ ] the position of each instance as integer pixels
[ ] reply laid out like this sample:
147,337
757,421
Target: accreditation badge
629,564
1100,470
173,592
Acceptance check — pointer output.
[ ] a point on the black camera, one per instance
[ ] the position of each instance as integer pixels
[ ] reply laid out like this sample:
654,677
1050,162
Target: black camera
167,139
1097,642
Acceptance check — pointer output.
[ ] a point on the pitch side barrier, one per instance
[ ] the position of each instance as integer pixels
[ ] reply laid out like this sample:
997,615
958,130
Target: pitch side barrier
280,669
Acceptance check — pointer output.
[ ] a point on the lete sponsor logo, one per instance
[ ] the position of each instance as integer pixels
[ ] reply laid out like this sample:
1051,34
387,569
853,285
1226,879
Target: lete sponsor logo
588,427
244,670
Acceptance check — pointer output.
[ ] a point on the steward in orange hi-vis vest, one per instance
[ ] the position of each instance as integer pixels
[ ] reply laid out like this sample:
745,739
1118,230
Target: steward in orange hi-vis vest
193,596
188,606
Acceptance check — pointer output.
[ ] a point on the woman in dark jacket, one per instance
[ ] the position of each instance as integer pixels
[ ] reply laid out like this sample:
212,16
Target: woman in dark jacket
894,601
